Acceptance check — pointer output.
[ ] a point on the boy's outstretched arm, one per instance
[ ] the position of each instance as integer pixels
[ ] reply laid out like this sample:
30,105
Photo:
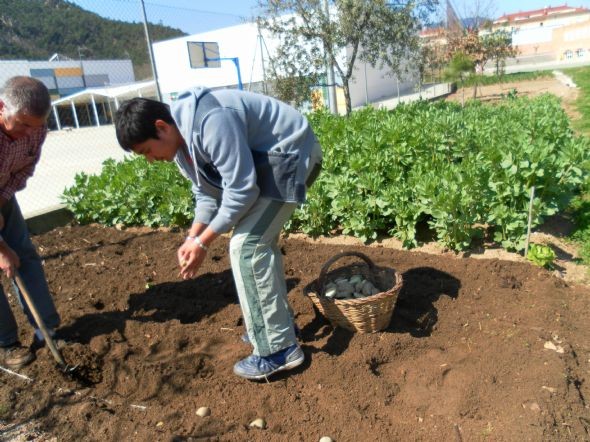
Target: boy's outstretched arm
194,249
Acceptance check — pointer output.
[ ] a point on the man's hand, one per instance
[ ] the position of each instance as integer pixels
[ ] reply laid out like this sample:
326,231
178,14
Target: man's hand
190,257
9,261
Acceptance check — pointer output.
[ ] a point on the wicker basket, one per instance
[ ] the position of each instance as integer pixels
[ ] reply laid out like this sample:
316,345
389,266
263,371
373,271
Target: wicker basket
364,315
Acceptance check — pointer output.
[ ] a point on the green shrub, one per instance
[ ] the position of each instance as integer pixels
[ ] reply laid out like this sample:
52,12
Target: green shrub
132,192
460,169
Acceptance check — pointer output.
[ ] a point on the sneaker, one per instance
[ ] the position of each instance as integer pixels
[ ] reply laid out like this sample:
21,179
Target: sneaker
260,367
16,356
246,339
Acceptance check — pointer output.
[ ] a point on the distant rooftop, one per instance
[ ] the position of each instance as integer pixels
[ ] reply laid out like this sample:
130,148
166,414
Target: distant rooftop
540,14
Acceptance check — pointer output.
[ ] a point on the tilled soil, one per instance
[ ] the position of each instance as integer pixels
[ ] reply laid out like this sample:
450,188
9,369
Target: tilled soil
465,357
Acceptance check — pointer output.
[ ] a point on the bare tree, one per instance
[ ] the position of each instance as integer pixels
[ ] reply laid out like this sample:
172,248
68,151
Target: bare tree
480,12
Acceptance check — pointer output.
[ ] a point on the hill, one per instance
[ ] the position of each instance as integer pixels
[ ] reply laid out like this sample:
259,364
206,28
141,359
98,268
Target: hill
37,29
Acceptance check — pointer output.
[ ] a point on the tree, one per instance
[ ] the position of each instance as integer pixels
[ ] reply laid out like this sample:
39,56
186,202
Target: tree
467,44
380,32
497,46
459,68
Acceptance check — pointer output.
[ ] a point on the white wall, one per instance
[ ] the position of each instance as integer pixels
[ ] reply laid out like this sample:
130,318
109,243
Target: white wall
377,84
175,73
532,35
120,71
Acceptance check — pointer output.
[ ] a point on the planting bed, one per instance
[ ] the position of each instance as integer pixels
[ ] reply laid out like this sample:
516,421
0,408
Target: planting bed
476,350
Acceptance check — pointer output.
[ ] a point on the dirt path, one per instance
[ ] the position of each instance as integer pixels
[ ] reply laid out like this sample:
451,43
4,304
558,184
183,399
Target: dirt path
476,350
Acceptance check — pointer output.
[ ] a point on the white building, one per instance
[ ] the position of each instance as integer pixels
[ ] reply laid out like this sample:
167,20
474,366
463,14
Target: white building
242,42
560,33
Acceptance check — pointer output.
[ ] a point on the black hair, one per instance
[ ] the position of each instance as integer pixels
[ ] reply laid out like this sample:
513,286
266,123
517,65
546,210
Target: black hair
135,121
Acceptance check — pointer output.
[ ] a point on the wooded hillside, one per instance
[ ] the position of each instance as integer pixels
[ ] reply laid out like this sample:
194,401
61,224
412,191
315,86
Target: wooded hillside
36,29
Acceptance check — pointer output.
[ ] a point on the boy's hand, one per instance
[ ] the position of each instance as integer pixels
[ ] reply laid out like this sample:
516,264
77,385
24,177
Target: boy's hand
190,258
9,261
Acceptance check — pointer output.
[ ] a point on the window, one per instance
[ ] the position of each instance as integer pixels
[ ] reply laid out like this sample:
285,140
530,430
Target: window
580,52
569,55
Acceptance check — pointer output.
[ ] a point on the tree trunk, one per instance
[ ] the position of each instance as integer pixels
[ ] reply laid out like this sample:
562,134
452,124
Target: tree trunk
347,96
462,95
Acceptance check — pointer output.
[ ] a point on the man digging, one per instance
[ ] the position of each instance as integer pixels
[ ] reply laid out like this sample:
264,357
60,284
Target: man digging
24,108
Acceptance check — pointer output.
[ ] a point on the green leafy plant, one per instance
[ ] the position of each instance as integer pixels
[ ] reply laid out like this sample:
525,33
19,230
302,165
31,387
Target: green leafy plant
464,171
541,255
132,192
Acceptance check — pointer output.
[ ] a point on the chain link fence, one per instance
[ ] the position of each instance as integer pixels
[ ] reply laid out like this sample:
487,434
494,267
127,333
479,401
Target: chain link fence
109,61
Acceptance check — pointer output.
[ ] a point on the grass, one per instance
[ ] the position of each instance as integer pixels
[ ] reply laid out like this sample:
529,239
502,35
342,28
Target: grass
486,80
580,207
581,77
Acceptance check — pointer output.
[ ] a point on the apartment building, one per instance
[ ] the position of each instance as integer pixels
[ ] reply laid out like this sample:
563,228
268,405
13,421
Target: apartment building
560,33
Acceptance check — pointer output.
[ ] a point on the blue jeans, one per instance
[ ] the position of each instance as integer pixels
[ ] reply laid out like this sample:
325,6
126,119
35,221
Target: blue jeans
16,235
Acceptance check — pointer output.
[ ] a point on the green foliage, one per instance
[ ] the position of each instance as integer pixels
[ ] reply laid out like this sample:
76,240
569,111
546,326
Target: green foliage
581,235
580,207
581,76
132,192
484,80
460,169
36,29
541,255
460,67
497,46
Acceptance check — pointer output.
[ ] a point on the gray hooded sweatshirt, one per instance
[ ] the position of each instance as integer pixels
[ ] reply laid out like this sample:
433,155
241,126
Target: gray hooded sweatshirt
241,146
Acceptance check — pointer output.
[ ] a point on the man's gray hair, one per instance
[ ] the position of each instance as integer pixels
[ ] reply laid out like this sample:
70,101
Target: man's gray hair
27,95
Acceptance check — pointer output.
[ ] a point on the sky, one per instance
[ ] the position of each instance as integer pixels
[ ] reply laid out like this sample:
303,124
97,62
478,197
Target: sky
194,16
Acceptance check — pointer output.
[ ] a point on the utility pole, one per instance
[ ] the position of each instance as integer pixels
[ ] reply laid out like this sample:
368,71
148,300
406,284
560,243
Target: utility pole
149,45
262,61
330,73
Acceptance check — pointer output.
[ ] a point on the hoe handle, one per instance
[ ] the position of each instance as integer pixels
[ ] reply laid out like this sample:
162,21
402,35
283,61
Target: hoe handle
48,339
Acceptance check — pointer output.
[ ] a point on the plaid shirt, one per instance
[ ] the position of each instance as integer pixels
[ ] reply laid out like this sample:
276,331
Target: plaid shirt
18,160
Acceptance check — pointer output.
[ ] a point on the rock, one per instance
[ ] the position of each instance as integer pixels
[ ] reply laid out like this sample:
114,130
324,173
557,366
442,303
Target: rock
367,288
326,439
203,411
355,279
331,292
551,346
258,423
160,424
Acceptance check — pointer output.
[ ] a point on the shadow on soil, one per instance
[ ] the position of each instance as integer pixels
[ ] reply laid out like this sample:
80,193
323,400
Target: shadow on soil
186,301
414,313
